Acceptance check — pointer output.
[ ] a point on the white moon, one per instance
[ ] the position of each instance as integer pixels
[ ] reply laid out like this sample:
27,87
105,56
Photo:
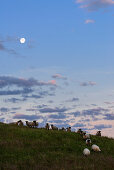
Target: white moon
22,40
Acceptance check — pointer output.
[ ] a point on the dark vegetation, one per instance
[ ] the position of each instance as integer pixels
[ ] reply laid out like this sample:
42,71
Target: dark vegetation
39,149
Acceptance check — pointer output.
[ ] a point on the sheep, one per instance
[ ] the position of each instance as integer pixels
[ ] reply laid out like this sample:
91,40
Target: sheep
54,127
98,133
20,123
86,152
79,131
63,129
68,129
47,126
95,148
83,132
86,136
88,141
30,124
35,123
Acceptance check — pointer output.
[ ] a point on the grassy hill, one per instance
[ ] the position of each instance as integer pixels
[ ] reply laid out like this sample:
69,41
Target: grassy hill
37,149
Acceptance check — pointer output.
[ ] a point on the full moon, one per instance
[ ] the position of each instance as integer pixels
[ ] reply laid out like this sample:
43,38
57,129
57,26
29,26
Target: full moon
22,40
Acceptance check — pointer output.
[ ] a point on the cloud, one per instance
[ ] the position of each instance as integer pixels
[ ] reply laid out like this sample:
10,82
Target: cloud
16,92
59,76
93,112
57,116
74,99
27,117
31,110
78,125
52,82
15,100
109,103
16,108
95,5
102,126
109,116
4,109
10,51
41,94
88,21
13,39
9,39
21,82
90,83
53,110
2,47
76,114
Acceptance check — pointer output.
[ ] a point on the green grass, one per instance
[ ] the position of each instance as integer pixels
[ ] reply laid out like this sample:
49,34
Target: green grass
37,149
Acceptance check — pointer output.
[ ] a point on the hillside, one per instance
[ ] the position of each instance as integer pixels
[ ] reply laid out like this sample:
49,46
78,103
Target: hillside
38,149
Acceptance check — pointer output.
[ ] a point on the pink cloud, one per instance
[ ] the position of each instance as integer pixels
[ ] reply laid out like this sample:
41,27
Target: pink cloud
94,5
89,21
59,76
52,82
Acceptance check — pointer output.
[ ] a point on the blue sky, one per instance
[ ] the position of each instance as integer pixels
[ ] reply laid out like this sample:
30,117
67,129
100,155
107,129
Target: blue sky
63,74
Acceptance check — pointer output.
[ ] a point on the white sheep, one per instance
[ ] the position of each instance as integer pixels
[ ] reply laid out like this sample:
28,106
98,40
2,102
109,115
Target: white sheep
88,141
86,152
95,148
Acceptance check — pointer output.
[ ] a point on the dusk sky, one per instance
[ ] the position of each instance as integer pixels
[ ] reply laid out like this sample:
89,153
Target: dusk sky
63,73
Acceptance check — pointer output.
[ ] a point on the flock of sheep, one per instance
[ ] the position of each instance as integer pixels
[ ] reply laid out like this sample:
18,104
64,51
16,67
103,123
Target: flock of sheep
85,136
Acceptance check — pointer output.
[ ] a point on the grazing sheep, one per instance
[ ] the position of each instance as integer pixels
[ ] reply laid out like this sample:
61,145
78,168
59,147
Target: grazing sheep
68,129
35,123
20,123
98,133
95,148
86,136
88,141
54,127
83,132
86,152
47,126
63,129
79,131
30,124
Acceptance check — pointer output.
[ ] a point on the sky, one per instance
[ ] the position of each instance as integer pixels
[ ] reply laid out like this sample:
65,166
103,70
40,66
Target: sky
63,74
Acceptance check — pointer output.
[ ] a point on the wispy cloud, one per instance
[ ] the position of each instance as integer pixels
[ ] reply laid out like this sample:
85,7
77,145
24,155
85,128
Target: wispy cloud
10,51
22,82
16,92
88,21
53,110
27,117
90,83
94,5
59,76
102,126
74,99
109,116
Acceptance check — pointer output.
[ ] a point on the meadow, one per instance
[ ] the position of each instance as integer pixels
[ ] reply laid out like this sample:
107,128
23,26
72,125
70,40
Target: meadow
39,149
